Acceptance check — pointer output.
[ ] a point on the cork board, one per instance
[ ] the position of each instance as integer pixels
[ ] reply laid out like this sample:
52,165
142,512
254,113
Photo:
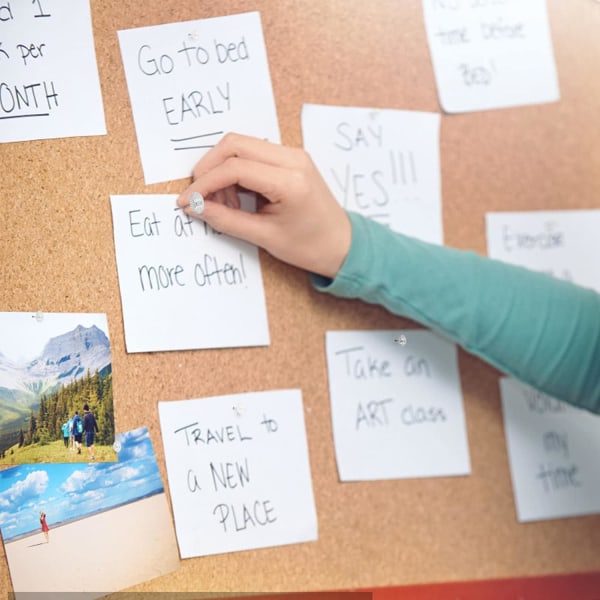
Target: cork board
58,255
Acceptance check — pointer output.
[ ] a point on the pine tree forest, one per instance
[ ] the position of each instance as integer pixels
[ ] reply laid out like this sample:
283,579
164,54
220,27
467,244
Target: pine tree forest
54,410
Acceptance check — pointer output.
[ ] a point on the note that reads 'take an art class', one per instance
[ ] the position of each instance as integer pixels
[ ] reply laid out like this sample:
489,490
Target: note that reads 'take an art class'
184,285
397,410
238,471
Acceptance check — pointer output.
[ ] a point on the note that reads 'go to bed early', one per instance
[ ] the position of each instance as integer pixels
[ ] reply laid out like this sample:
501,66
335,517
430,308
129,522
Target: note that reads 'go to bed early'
491,53
238,472
190,83
397,410
184,285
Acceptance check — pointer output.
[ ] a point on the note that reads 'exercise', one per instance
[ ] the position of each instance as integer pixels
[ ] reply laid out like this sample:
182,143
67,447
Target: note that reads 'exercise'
191,82
560,242
397,410
238,471
183,285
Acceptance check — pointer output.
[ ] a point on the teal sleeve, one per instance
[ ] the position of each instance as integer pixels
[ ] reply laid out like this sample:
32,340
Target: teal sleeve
538,329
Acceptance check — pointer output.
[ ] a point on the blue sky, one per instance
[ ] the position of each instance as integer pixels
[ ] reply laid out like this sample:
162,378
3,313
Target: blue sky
24,336
72,491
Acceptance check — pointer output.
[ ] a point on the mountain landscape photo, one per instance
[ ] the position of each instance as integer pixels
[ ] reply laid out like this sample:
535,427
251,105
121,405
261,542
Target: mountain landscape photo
33,393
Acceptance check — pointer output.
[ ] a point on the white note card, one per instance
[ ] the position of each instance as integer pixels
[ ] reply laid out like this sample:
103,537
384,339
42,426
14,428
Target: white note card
50,86
397,410
183,285
192,82
564,244
490,54
238,472
553,450
383,164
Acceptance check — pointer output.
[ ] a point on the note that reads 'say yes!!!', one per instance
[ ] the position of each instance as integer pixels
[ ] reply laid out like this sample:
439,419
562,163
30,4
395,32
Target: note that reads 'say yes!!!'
383,164
238,471
397,409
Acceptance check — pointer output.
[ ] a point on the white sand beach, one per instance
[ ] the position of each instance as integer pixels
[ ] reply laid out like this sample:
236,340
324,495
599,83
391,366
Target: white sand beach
103,553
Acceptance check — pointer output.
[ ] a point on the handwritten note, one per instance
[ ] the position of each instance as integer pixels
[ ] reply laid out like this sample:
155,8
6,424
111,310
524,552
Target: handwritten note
49,85
238,472
553,450
564,244
384,164
183,285
190,83
397,410
491,53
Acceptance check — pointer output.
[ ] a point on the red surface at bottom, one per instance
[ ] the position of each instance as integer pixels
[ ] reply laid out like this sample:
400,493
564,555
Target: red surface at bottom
580,586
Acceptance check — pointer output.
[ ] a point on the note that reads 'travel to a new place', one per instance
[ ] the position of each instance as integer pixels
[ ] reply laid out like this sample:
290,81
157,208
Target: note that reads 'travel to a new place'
238,471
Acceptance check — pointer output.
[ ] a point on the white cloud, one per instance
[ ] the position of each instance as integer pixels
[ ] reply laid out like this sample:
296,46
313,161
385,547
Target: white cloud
31,487
127,473
79,480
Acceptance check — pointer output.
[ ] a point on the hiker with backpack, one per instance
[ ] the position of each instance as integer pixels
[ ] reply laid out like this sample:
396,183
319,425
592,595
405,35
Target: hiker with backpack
77,430
90,427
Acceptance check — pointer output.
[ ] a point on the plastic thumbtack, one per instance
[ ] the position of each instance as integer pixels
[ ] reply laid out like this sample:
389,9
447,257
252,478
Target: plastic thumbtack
197,202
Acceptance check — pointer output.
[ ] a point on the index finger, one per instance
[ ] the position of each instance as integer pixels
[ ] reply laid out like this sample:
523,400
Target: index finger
250,148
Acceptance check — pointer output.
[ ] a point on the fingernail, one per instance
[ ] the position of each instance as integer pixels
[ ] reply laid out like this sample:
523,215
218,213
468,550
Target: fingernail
197,202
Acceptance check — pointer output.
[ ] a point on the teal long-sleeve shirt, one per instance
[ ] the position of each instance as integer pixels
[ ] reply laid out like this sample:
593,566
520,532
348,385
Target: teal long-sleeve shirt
540,330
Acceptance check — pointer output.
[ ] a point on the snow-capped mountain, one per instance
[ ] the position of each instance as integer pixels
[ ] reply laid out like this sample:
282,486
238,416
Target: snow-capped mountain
65,358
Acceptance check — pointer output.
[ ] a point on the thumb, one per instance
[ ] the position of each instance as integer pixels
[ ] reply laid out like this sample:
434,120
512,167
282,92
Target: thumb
235,222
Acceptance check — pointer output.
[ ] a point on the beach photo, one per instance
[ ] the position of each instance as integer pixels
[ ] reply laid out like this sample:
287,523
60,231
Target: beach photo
94,529
56,397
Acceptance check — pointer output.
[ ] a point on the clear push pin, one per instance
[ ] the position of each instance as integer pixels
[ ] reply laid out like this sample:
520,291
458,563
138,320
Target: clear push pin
238,409
401,340
38,316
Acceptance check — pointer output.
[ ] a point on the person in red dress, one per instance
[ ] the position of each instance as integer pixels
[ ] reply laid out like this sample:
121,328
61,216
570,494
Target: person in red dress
45,528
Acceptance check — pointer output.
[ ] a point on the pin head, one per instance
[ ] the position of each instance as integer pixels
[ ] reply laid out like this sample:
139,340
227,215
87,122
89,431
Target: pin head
401,339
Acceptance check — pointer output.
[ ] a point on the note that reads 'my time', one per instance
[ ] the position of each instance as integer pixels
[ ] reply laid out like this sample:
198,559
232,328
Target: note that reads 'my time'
238,471
397,410
553,449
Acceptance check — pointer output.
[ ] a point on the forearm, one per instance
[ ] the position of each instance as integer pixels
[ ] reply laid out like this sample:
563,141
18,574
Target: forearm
540,330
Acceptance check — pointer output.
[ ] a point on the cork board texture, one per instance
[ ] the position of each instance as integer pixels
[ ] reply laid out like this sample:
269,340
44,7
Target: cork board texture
58,255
